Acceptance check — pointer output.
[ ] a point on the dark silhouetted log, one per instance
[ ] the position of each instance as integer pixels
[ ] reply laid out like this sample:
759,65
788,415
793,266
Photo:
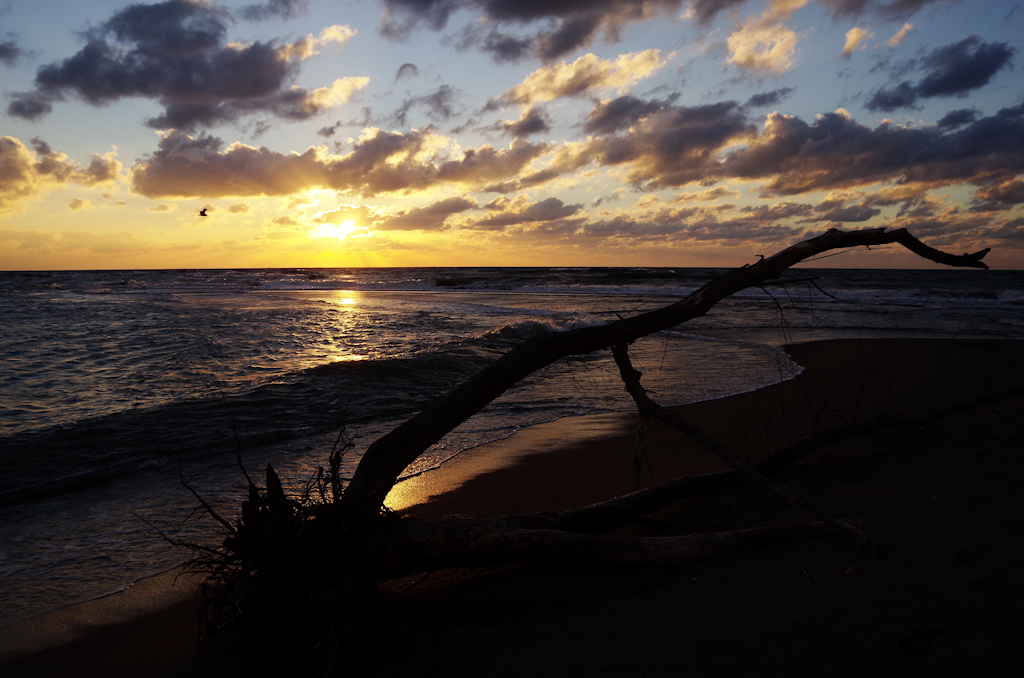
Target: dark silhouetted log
386,458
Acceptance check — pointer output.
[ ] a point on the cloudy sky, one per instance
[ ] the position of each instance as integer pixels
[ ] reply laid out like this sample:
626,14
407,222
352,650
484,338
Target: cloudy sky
504,132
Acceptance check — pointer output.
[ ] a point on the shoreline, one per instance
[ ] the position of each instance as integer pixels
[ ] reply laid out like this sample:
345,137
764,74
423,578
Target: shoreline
580,460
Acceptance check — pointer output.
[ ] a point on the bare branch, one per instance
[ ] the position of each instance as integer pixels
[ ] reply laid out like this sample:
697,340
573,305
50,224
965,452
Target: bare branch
386,458
648,408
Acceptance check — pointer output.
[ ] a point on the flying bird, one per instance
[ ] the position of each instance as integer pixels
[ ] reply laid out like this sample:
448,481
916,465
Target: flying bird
202,212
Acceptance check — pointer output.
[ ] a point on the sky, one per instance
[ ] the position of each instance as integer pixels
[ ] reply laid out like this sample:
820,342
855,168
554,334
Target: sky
323,133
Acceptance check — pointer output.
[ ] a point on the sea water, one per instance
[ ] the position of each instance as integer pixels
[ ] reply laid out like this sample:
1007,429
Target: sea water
121,390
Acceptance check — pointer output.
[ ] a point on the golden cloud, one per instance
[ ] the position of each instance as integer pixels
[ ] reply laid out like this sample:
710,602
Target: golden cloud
25,172
584,75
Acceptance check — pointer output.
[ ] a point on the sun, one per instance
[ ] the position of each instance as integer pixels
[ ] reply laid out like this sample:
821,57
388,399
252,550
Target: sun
339,231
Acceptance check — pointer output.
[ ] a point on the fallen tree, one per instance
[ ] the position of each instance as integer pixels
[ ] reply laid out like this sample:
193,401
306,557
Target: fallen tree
318,558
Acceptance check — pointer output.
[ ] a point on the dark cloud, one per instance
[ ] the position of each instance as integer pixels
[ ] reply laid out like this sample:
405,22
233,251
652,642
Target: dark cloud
274,9
568,24
439,105
571,34
706,11
969,64
776,211
700,225
528,180
610,116
30,106
430,218
958,118
176,53
893,10
505,212
903,95
952,70
367,120
405,71
10,52
533,121
328,131
837,152
1002,195
838,210
769,98
505,47
676,145
1012,230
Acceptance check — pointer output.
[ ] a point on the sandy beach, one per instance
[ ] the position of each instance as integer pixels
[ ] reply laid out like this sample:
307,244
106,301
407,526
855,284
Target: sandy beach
945,501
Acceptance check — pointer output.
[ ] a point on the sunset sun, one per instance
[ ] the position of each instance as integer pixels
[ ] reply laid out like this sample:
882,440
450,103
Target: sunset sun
339,231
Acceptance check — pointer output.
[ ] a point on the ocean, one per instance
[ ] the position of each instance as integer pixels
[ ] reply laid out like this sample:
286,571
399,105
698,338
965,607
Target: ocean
119,387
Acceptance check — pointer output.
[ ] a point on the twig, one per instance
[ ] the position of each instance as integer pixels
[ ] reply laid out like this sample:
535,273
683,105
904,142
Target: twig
648,408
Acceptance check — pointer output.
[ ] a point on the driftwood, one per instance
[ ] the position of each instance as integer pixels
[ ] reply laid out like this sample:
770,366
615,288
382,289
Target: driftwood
332,550
385,459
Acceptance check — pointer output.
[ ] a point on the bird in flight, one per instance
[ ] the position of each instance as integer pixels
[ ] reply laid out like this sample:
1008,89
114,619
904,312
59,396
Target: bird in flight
202,212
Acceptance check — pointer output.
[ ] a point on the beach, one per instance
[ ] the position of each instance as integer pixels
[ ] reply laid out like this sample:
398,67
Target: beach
944,500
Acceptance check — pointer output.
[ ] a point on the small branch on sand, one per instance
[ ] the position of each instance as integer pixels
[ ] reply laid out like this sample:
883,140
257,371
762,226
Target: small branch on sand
648,408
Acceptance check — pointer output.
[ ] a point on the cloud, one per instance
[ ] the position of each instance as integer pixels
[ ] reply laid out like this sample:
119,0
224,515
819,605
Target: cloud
306,46
504,47
958,118
79,204
611,115
583,76
406,71
10,52
162,207
706,195
25,173
176,53
430,218
379,163
283,9
532,121
1006,193
30,106
836,152
952,70
893,10
963,66
771,98
854,37
706,11
505,212
439,105
764,44
675,145
567,25
836,207
903,95
899,35
240,208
